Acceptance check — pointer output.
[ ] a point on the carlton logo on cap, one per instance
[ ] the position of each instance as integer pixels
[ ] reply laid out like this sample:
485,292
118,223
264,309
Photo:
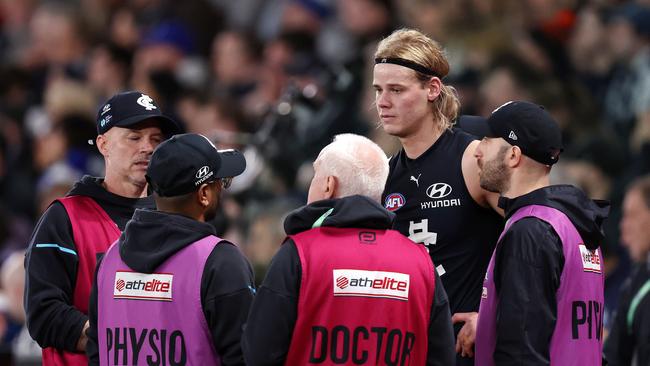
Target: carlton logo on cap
146,102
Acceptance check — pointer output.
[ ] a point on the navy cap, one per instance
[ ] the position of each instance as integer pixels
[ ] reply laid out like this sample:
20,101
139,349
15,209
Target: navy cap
129,108
475,125
181,164
530,127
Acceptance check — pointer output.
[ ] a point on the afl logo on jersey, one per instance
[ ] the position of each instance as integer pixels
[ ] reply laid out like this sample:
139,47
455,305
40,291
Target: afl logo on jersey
438,190
394,201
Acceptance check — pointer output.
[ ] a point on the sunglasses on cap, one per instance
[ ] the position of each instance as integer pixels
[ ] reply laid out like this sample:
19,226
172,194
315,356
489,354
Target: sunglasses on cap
225,182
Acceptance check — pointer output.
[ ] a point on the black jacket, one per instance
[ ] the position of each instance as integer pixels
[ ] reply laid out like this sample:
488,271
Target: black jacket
227,291
630,336
528,266
51,271
273,316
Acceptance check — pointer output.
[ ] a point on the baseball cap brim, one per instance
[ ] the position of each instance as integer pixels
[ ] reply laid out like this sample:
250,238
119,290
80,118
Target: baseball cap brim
232,164
168,126
475,125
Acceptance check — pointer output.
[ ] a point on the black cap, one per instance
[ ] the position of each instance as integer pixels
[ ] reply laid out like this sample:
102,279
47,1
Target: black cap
530,127
476,125
181,164
128,108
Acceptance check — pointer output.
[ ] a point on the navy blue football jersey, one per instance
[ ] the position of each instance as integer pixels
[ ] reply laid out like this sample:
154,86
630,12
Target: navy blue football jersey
433,206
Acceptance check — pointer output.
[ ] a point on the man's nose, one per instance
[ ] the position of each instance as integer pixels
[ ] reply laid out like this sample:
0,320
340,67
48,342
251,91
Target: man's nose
383,100
148,145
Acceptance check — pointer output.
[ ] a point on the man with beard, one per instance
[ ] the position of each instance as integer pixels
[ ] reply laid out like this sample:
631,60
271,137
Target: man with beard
169,289
542,300
62,252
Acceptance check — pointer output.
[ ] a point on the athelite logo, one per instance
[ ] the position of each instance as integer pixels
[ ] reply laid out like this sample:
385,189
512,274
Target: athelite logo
143,286
361,283
394,201
590,259
146,102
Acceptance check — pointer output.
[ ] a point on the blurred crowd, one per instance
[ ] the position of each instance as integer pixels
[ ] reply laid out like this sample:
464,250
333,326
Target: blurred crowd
278,79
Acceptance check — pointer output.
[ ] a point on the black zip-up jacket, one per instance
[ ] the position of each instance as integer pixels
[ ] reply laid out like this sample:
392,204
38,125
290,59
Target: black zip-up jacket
629,339
51,271
528,266
227,291
273,316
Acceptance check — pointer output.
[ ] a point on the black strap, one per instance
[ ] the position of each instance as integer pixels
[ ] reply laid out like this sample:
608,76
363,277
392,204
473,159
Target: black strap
406,63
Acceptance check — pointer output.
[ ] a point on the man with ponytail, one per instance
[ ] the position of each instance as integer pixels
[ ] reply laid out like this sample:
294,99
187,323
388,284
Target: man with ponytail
433,185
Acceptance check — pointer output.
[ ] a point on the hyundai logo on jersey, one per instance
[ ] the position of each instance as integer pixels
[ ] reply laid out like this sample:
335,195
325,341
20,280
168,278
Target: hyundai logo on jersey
439,190
394,201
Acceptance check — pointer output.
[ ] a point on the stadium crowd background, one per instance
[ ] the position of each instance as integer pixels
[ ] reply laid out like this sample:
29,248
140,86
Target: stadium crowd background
278,79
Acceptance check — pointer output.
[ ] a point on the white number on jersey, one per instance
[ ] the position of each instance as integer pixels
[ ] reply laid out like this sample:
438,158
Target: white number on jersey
419,233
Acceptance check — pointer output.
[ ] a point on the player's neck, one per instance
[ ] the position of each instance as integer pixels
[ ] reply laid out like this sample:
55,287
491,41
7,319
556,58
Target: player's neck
419,142
124,188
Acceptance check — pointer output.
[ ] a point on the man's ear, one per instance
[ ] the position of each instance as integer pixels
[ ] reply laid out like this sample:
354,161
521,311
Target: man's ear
434,88
514,157
331,187
203,195
102,144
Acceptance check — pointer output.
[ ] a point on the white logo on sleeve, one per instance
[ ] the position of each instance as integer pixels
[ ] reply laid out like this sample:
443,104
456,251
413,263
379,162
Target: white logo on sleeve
143,286
355,282
146,102
590,259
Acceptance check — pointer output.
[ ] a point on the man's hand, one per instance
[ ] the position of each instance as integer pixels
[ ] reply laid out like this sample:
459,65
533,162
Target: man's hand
467,334
83,339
